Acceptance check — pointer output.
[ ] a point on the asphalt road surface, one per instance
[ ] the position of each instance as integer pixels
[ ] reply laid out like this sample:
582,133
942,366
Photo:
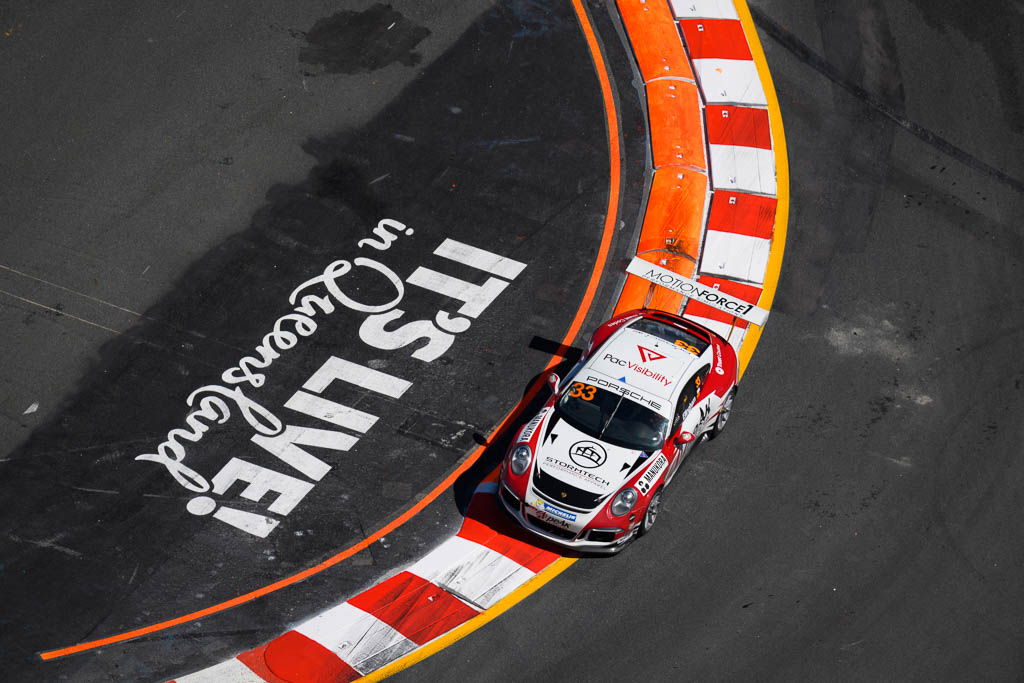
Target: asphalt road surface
861,520
171,174
172,196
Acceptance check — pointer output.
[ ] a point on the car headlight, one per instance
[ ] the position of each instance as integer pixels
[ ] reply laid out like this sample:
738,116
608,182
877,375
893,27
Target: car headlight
623,502
520,460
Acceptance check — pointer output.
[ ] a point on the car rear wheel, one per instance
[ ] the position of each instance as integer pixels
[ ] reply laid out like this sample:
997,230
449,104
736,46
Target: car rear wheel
651,513
723,415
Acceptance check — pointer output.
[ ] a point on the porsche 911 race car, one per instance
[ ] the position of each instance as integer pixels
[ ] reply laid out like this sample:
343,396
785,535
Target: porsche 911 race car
588,470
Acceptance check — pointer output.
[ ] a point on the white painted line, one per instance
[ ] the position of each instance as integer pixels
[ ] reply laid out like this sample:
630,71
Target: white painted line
231,671
743,169
740,257
332,412
361,376
704,9
471,571
730,81
286,447
480,259
360,639
476,297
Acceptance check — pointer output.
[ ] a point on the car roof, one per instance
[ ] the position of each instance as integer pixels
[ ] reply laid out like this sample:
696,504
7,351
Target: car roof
647,364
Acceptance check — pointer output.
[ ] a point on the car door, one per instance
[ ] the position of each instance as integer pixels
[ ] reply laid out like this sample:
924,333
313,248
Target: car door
686,401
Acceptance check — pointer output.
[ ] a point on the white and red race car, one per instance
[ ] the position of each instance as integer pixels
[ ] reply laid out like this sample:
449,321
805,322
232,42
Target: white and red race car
588,470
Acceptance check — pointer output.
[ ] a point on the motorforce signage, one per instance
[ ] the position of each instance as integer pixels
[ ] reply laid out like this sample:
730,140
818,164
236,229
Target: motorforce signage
696,291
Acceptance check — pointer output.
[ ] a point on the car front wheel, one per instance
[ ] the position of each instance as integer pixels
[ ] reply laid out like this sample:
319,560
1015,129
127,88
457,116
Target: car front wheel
651,514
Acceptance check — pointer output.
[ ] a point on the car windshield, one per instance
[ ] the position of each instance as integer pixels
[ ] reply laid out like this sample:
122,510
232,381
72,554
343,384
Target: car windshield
612,417
673,335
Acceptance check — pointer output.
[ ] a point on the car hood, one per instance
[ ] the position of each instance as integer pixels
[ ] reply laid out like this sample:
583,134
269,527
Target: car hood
567,456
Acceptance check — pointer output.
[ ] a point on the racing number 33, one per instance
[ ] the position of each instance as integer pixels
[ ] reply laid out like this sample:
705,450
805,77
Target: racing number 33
584,391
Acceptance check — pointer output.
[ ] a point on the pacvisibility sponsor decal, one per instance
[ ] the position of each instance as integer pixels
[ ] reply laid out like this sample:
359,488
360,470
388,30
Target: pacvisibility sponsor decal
310,302
648,478
696,291
647,355
638,369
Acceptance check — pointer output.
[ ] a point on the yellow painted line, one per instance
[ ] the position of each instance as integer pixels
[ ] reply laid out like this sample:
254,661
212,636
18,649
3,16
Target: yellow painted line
771,279
502,606
746,350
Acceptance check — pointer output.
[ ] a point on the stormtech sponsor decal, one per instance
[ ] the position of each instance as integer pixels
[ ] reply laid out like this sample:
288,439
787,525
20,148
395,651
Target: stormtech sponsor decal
649,477
311,301
576,471
588,454
696,291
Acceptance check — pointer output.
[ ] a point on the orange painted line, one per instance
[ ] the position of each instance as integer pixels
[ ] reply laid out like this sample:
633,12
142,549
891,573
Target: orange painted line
611,218
743,126
655,39
715,39
299,576
633,296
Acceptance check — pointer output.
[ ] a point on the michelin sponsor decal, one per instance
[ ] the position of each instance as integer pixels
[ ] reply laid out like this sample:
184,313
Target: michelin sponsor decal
651,475
549,513
552,510
696,291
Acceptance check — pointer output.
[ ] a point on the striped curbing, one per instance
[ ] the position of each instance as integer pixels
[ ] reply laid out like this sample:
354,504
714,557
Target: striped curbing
716,211
486,561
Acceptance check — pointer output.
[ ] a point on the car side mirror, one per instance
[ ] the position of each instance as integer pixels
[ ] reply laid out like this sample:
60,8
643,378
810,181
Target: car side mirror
553,381
685,437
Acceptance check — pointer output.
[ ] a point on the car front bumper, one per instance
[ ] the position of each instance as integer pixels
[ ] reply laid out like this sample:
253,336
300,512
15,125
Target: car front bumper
505,495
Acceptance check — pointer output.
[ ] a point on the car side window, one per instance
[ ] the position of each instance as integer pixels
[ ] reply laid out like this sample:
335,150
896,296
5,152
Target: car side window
689,395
